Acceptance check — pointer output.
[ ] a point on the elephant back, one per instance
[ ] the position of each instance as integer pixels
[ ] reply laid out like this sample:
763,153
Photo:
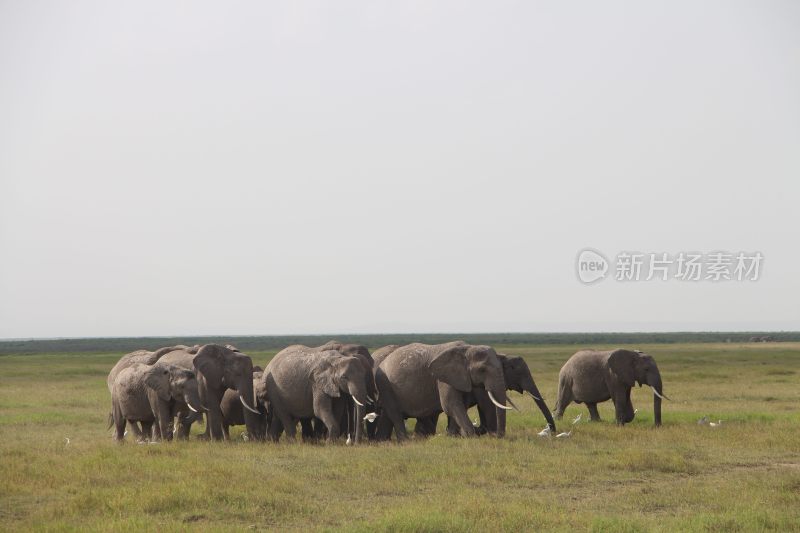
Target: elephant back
144,357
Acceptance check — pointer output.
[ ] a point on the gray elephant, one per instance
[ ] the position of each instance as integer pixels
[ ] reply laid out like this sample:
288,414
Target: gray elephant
151,394
353,414
422,380
140,356
518,378
592,376
307,383
233,410
219,368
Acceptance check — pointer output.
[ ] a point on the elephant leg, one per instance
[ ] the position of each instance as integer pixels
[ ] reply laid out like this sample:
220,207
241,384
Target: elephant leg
184,425
119,428
183,430
320,431
275,428
452,401
225,431
452,427
391,407
163,420
135,429
383,428
426,426
594,416
150,432
289,425
323,409
487,413
621,405
307,429
628,409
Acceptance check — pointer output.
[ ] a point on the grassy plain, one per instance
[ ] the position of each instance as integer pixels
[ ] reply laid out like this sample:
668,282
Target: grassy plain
742,476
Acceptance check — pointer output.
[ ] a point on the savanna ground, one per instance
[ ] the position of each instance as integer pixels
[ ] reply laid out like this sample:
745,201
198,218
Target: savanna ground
741,476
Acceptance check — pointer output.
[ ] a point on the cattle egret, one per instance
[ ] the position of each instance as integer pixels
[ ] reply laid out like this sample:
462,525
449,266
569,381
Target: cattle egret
66,439
545,432
703,421
715,424
370,417
577,419
564,435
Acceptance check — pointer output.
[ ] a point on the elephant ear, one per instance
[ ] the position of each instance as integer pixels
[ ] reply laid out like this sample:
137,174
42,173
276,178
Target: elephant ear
157,378
209,362
450,367
622,364
325,379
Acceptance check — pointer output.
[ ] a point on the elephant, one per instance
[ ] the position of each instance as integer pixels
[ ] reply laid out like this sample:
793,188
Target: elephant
518,378
153,394
140,356
219,368
353,415
305,383
233,410
592,376
422,380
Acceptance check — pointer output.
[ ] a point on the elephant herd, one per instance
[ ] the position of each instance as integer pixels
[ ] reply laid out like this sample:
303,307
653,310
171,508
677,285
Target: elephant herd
341,390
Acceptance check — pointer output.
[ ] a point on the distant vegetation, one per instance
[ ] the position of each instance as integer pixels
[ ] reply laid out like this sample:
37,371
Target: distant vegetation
266,343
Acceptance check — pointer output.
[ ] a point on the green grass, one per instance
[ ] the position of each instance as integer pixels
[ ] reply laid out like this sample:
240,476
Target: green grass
743,476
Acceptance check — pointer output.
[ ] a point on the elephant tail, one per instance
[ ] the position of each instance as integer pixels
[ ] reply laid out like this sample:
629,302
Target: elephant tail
563,398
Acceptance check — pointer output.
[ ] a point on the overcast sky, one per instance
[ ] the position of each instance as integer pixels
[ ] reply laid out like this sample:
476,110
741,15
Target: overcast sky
183,168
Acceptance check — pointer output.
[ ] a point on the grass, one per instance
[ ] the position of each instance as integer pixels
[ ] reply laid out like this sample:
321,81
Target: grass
742,476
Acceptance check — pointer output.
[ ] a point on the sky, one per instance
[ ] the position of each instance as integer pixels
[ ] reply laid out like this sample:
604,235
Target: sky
244,168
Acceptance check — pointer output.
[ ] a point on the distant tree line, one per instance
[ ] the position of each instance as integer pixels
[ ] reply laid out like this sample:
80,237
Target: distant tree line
266,343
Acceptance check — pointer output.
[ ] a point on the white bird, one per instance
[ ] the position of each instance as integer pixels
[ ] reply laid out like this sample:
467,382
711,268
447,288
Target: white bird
67,441
703,421
370,417
545,432
715,424
577,419
635,411
564,435
349,440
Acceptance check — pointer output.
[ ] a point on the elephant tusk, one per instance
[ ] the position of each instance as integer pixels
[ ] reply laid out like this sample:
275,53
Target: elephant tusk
247,406
357,402
496,403
192,408
535,397
512,404
370,399
663,397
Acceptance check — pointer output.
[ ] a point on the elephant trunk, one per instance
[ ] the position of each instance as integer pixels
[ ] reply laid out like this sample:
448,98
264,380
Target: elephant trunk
498,397
359,395
192,399
531,389
657,394
251,413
